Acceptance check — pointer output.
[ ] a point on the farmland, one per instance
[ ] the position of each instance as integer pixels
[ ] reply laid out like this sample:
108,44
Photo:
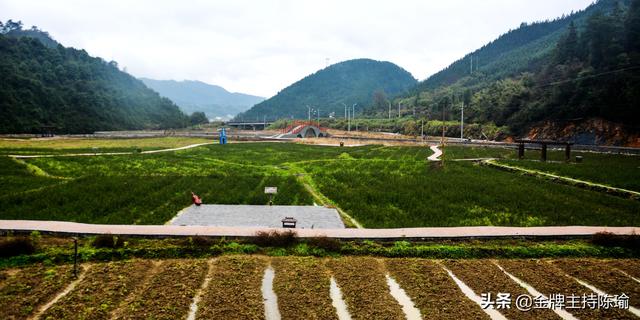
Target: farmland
379,186
144,289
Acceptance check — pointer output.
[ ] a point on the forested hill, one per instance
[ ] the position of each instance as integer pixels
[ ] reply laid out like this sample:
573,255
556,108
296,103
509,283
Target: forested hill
348,82
523,49
194,96
579,82
46,84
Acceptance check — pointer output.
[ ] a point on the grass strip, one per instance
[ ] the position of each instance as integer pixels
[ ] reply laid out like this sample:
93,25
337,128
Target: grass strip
302,287
234,289
22,292
364,288
599,274
432,290
168,293
485,277
549,279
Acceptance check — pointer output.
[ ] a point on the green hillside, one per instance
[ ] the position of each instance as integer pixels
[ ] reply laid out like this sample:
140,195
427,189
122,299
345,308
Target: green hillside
577,67
348,82
47,85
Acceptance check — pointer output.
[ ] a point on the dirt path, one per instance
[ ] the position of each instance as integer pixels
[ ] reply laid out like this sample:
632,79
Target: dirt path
17,156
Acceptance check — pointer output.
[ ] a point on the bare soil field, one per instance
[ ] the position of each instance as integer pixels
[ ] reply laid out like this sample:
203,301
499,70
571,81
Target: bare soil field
165,289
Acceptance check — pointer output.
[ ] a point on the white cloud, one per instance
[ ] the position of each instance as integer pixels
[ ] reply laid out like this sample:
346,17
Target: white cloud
260,47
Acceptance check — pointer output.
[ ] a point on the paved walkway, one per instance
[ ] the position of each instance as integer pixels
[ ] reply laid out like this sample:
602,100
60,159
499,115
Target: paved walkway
220,215
60,227
20,156
436,153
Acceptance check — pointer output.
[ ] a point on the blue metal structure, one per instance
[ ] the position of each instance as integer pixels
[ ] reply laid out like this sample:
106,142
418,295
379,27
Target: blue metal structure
223,136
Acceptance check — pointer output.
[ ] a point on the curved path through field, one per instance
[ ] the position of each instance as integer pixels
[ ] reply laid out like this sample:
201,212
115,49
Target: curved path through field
17,156
436,153
61,227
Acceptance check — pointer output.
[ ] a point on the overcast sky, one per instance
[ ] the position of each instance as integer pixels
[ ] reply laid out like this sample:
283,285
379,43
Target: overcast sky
260,47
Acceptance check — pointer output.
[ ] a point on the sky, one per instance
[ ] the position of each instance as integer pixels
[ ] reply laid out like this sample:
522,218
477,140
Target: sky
261,46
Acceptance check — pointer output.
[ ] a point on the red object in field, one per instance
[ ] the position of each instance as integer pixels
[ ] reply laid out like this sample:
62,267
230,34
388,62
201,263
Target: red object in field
196,200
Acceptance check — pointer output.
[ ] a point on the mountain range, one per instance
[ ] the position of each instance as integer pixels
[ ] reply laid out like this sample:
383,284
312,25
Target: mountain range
195,96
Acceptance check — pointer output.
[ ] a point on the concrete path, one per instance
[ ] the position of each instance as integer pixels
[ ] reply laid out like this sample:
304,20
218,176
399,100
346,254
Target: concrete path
19,156
436,153
60,227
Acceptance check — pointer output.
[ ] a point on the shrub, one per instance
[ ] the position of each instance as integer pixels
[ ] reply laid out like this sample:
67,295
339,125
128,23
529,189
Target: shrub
608,239
16,246
275,238
200,241
108,241
328,244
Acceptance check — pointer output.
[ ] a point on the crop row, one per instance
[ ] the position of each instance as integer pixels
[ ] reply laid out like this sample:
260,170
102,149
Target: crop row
234,289
301,285
104,287
165,289
549,279
383,194
143,199
167,294
22,292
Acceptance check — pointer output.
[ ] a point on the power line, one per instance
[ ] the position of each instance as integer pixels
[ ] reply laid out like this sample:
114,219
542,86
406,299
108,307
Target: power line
587,77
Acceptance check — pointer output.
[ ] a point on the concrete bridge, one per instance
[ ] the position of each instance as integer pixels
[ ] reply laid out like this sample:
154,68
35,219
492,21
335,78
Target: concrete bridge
303,130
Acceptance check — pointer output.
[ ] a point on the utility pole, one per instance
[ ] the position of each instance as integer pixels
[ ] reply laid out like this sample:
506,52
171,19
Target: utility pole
422,130
462,122
309,112
442,139
348,120
398,110
318,118
389,110
353,112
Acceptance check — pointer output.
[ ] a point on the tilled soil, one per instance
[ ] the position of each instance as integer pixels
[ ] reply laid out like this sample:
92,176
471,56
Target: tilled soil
234,289
103,288
549,279
432,290
630,266
602,276
168,293
364,288
302,287
483,276
24,290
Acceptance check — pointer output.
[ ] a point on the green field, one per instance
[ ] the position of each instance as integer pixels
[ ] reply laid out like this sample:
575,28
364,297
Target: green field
378,186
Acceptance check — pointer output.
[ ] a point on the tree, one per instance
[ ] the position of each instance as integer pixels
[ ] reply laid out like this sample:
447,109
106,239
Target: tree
632,27
198,118
567,48
379,100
